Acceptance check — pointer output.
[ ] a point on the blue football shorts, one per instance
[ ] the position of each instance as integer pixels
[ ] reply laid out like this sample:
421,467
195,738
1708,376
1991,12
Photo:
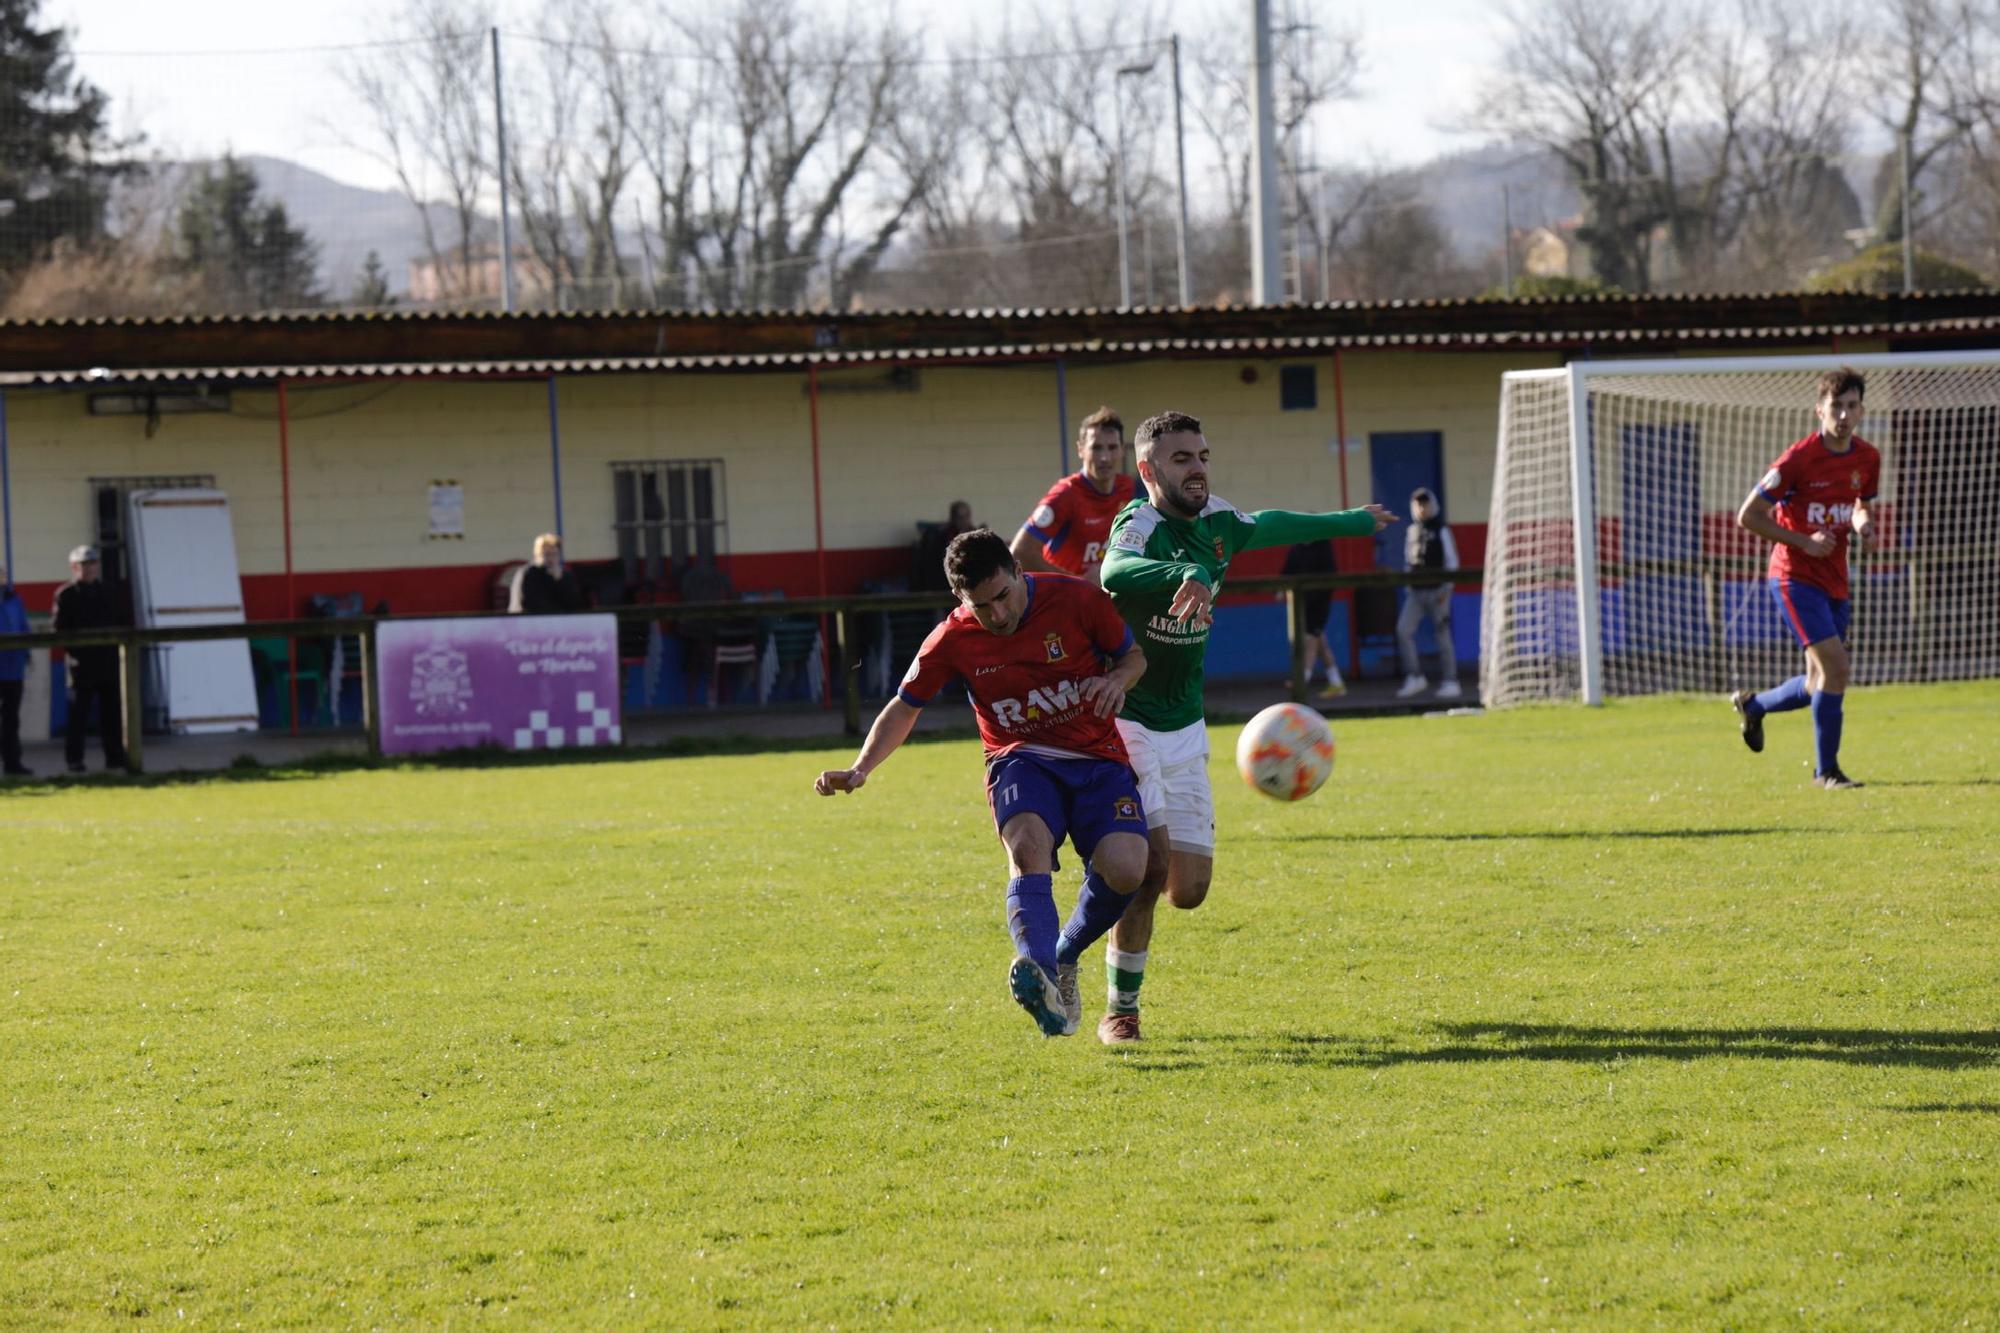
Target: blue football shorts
1812,614
1081,799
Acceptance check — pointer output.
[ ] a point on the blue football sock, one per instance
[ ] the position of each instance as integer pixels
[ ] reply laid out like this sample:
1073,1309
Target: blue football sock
1826,708
1098,908
1783,698
1031,918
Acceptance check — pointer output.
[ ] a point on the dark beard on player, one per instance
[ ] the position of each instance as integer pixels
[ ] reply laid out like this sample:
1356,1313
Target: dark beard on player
1178,500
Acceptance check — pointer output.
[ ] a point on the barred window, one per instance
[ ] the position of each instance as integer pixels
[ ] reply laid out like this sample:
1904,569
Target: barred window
669,514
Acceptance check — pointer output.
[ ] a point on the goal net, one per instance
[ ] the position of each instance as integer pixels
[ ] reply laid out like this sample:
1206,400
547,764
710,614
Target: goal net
1652,459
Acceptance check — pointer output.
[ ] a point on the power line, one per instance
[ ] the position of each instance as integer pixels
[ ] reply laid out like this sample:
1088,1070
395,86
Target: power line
704,58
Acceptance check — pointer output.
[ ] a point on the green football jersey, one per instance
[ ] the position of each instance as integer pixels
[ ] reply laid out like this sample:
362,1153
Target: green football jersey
1151,553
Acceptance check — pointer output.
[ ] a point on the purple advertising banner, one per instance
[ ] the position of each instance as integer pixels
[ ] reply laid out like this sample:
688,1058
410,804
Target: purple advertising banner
518,682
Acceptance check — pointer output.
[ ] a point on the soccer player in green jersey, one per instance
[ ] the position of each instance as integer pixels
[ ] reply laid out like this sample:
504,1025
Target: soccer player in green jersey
1163,569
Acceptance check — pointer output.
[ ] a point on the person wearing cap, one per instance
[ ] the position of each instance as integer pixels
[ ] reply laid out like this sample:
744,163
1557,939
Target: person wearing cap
1427,546
13,673
86,603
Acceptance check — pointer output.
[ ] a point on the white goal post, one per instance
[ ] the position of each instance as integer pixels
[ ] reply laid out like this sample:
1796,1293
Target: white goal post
1614,565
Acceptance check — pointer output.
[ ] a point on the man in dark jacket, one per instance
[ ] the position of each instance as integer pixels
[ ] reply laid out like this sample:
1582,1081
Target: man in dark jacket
86,603
547,586
13,670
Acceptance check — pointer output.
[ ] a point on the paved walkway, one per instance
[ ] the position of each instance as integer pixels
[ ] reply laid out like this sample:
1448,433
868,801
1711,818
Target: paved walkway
779,727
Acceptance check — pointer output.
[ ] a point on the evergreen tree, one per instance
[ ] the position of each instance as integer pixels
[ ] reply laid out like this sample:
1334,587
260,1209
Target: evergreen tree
371,290
243,249
57,160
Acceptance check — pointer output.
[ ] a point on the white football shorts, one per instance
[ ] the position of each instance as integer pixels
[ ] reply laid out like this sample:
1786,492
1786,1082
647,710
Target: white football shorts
1172,768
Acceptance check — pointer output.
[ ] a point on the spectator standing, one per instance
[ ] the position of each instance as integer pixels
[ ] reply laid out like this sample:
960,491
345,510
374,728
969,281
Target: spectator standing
1317,558
546,586
13,672
1428,548
927,568
86,603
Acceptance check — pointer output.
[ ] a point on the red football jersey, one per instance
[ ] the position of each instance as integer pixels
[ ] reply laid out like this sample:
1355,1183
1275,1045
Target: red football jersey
1026,686
1813,489
1073,522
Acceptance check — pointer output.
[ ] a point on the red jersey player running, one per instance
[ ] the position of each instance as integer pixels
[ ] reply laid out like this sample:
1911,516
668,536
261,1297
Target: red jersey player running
1067,532
1812,498
1032,649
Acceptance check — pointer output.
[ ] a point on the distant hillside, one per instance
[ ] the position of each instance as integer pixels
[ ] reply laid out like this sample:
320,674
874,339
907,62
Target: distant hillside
348,221
1472,190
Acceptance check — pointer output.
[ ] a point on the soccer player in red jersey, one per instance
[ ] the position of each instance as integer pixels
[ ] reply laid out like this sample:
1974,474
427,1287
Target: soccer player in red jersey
1033,651
1814,496
1067,532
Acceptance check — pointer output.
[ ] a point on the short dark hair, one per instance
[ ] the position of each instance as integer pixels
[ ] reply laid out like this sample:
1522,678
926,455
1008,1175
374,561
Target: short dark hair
1165,423
1838,381
1103,417
974,557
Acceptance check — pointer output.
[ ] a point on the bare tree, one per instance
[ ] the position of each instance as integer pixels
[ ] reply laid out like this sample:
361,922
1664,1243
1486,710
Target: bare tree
1918,71
756,140
429,107
1598,83
572,151
1769,92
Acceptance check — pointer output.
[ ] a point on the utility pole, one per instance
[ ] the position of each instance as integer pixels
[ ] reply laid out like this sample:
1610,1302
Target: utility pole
1124,228
1507,236
1180,178
1266,268
1909,241
506,224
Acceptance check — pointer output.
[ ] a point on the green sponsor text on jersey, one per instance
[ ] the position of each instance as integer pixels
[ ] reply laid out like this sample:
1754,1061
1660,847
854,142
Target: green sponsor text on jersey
1151,553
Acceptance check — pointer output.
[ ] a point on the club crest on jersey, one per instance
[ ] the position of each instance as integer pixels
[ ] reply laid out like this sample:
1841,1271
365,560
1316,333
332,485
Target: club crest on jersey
1125,808
1054,644
1854,479
1218,548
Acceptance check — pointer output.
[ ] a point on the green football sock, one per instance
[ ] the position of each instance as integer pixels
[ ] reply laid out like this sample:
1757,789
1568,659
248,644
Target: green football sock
1123,973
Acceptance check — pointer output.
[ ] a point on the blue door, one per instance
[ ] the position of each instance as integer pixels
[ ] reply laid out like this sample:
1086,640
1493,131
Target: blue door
1398,463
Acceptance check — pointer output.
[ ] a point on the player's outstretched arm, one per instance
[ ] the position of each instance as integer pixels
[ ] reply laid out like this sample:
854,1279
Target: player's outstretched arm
892,727
1286,527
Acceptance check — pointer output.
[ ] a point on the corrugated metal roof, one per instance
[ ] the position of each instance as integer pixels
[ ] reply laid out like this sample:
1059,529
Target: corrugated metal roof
1600,340
1441,305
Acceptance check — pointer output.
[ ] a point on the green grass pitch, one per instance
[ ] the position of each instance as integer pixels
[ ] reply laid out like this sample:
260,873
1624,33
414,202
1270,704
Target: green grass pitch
1586,1016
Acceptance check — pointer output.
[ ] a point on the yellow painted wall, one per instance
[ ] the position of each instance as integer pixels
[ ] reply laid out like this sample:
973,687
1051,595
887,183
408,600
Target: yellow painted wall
363,456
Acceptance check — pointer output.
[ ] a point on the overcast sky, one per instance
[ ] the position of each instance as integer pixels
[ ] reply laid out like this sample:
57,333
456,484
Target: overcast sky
202,76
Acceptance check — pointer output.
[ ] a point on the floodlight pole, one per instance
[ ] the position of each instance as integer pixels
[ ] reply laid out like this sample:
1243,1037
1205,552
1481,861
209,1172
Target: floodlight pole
1265,277
506,222
1124,212
1583,510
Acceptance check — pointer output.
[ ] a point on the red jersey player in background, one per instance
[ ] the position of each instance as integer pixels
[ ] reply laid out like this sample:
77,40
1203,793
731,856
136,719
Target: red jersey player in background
1067,531
1806,505
1033,651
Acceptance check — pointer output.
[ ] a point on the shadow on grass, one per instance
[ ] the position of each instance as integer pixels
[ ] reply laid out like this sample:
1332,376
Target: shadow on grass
1552,835
1949,1108
1477,1043
1941,782
247,767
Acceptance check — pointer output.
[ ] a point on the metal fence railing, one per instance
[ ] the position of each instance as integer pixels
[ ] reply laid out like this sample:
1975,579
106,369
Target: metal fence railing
840,618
